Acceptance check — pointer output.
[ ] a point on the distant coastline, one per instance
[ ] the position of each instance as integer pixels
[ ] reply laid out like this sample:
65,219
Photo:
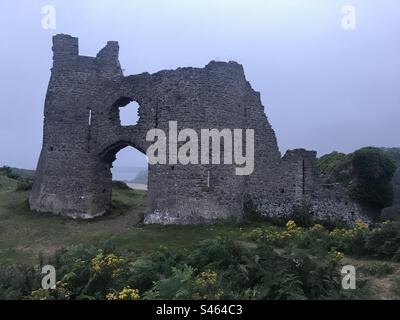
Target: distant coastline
130,174
137,186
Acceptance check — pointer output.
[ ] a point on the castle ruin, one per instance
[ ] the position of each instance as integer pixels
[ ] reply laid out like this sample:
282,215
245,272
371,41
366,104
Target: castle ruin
83,133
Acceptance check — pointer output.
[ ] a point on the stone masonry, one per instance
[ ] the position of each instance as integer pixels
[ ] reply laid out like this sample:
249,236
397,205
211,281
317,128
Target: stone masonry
83,133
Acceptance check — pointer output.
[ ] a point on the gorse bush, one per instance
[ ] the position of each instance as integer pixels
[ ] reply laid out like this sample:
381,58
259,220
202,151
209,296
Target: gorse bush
382,241
184,284
266,262
216,269
17,282
381,269
125,294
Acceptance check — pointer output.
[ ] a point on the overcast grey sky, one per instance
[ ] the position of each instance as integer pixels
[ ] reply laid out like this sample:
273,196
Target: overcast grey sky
323,87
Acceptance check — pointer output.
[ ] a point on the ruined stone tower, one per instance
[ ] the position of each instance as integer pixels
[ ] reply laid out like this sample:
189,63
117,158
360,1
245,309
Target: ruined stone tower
83,133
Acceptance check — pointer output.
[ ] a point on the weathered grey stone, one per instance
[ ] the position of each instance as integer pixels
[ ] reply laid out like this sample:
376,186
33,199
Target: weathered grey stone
73,175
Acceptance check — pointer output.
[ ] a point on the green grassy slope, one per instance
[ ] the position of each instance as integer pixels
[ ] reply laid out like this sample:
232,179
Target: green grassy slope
24,234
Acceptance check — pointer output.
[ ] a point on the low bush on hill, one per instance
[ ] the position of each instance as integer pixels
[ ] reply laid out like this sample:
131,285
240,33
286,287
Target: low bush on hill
265,263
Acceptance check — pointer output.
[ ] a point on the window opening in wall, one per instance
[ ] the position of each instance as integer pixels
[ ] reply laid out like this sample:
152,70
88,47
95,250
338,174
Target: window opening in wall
129,114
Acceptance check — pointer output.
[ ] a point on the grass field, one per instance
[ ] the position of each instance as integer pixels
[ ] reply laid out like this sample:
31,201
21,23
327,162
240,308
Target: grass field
24,235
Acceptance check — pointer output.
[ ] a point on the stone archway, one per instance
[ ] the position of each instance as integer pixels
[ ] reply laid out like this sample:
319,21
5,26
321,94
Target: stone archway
109,153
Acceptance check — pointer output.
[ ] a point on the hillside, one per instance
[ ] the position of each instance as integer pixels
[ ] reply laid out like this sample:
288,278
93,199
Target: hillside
141,177
23,173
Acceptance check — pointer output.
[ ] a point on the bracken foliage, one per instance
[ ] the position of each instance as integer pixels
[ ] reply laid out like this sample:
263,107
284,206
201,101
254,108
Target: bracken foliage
267,262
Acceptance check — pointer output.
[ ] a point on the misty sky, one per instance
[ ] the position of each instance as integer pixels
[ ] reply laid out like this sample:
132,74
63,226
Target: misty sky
323,88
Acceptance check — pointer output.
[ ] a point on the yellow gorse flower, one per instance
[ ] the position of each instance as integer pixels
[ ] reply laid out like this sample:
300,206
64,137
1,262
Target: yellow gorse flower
110,262
257,232
125,294
361,225
207,278
337,255
41,294
317,227
344,233
291,231
206,286
291,225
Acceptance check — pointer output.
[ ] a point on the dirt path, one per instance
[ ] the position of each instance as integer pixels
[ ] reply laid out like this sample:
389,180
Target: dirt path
382,276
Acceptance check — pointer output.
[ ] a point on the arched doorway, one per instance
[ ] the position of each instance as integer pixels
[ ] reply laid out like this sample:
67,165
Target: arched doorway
126,163
130,166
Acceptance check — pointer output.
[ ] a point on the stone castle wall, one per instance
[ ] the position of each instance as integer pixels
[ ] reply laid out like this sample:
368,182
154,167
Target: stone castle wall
83,133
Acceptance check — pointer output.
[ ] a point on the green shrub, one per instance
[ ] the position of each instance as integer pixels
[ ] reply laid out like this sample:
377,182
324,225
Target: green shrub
384,241
177,286
336,167
215,254
8,172
381,269
373,170
290,263
89,273
366,174
17,281
391,213
24,185
301,216
155,266
5,171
